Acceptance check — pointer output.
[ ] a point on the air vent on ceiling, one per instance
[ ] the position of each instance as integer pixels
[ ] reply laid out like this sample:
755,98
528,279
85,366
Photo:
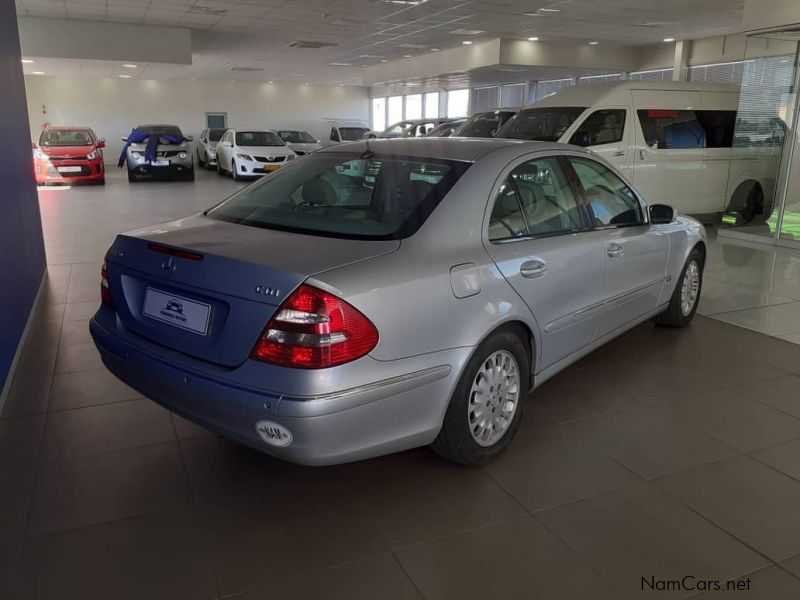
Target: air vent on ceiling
246,69
208,10
311,44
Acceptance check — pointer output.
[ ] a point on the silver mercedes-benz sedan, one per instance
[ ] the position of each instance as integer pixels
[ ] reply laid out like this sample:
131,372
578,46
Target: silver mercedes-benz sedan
384,295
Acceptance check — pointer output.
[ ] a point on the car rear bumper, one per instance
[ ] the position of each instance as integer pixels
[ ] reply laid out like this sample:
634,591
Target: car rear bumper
386,416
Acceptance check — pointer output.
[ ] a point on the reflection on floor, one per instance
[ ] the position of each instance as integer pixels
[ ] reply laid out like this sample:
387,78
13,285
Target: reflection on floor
667,453
756,286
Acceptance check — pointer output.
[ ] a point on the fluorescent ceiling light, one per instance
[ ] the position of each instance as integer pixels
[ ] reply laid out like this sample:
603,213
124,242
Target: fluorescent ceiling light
406,56
27,61
669,39
467,42
38,72
270,82
533,39
593,43
124,76
467,31
542,11
383,60
550,10
434,49
340,64
130,66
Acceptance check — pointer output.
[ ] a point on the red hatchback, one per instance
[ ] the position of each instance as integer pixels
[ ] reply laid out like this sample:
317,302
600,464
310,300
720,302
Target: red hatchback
69,155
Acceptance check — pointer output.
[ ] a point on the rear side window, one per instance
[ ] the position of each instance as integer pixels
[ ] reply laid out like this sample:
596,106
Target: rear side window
687,129
344,195
601,127
536,199
610,201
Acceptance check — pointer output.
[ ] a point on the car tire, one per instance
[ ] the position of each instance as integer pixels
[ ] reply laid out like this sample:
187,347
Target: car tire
132,178
189,176
219,168
752,211
686,296
101,181
234,171
458,440
201,163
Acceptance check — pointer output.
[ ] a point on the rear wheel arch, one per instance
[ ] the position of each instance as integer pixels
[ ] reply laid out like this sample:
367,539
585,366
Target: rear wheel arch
524,333
748,201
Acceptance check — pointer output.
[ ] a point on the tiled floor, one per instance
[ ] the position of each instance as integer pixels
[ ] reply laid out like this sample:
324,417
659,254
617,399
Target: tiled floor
754,286
664,454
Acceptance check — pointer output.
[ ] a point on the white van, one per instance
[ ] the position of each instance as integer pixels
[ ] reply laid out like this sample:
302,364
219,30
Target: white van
673,140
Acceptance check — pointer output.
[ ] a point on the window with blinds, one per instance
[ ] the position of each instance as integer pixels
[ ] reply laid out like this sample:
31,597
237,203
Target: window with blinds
653,75
485,98
596,78
512,95
764,101
730,72
548,87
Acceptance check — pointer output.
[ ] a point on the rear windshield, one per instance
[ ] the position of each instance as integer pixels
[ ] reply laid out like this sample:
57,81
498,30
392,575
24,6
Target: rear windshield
258,138
161,130
484,125
541,124
350,134
382,197
215,135
297,137
64,137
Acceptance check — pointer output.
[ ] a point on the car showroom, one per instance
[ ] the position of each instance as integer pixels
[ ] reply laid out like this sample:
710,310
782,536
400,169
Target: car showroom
400,299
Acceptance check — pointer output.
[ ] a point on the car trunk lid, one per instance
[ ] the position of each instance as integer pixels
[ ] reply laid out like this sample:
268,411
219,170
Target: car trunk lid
207,288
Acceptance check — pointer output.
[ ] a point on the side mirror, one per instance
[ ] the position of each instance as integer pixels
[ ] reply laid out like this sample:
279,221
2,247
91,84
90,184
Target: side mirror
125,139
101,143
189,138
661,214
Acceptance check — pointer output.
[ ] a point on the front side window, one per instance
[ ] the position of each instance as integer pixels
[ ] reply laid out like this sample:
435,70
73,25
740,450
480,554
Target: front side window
687,129
611,202
65,137
601,127
545,204
258,138
344,195
541,124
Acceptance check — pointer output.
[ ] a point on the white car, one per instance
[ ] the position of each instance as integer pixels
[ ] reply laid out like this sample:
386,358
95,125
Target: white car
251,153
301,142
206,149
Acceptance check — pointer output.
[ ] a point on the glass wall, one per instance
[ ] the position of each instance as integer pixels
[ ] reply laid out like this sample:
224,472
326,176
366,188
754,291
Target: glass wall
458,103
414,106
484,99
512,95
763,189
431,105
395,110
378,114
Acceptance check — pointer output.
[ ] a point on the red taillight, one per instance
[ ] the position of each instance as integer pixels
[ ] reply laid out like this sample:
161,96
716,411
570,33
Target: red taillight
105,290
174,252
313,329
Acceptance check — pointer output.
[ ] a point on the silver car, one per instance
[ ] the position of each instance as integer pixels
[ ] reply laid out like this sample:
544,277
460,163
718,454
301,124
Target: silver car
206,148
322,317
158,151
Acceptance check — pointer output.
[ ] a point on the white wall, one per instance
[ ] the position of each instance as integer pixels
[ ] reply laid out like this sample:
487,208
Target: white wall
112,107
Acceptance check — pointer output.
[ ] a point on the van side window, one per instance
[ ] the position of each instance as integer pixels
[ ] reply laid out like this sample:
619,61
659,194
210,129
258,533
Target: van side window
686,129
335,135
611,202
601,127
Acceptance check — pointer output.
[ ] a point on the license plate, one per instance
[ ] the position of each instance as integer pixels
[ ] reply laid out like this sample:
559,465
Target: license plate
177,311
270,168
69,169
160,163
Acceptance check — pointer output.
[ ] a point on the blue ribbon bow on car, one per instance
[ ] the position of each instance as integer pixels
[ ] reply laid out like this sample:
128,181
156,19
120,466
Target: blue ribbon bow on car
139,136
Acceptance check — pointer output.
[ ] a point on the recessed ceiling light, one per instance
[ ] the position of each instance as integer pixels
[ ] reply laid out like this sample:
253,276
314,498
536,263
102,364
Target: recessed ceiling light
340,64
593,43
542,11
130,66
669,39
467,31
124,76
27,61
434,49
550,10
533,39
383,60
467,42
270,82
340,84
38,72
406,56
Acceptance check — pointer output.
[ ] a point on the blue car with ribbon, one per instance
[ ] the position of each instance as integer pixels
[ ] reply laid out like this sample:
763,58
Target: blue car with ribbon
157,150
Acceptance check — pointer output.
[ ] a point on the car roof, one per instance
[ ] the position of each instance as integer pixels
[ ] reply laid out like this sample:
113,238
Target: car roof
584,95
459,149
67,128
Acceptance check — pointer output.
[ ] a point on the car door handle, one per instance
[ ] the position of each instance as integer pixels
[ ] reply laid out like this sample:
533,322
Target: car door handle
620,153
615,250
532,269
